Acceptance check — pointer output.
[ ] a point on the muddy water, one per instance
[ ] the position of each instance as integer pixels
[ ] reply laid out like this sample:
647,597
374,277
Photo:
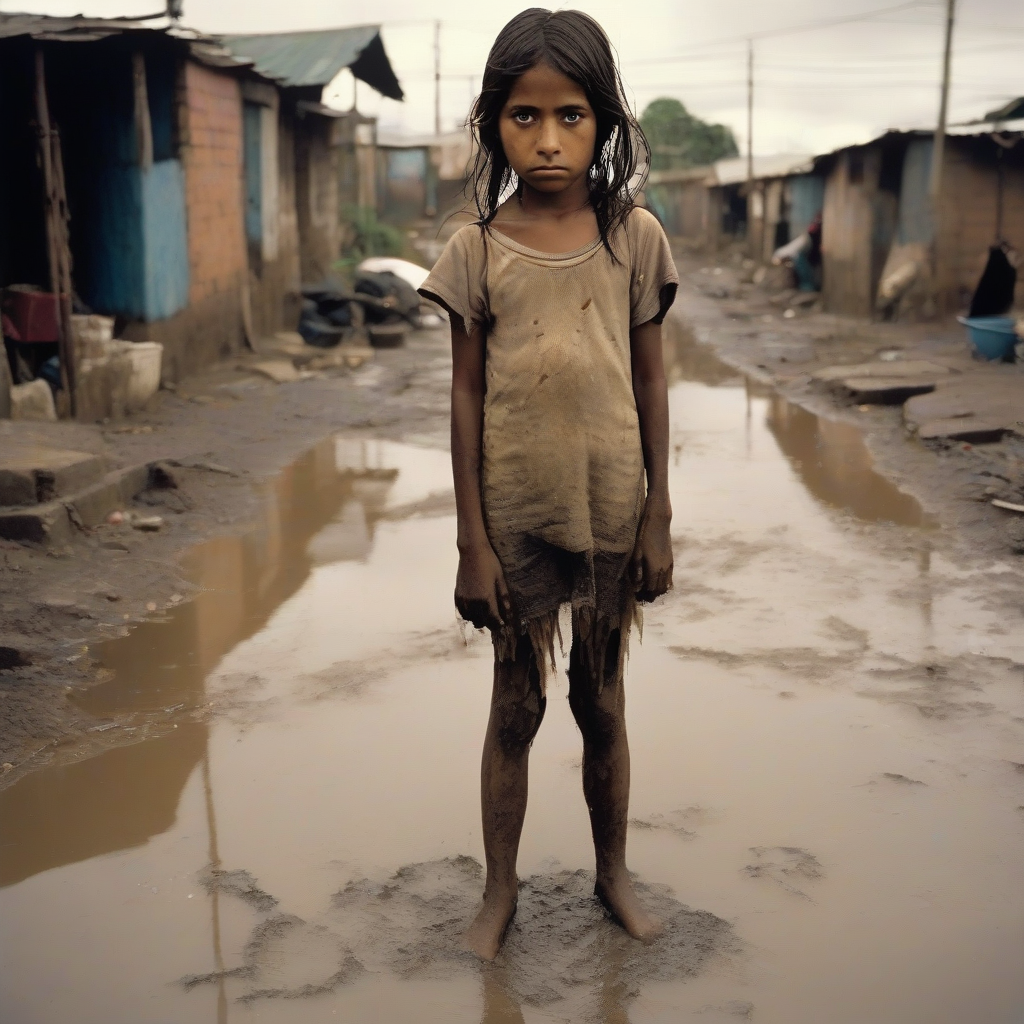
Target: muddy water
827,720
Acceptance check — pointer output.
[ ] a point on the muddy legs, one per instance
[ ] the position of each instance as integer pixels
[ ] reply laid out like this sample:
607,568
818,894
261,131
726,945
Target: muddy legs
600,712
517,707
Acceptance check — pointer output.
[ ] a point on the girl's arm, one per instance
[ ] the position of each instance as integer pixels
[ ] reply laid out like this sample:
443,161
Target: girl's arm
480,592
652,557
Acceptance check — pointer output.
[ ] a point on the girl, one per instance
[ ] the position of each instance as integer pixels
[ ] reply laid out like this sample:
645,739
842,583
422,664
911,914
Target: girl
559,424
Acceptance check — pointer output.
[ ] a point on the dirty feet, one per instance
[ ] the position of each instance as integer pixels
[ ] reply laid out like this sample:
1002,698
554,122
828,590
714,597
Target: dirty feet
620,900
487,932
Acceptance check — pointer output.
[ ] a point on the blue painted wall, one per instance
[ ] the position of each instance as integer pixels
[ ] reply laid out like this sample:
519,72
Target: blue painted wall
136,227
807,196
164,240
252,157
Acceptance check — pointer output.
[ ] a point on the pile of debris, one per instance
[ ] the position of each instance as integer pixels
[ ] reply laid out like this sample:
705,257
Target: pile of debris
382,305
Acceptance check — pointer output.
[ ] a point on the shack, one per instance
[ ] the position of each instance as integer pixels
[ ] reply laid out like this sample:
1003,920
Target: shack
333,149
423,176
708,207
878,223
162,178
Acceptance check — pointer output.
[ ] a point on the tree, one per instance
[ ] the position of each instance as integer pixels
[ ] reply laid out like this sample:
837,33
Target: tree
678,139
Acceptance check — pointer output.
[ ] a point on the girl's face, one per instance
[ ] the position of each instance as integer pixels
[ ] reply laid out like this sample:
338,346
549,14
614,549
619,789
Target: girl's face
548,130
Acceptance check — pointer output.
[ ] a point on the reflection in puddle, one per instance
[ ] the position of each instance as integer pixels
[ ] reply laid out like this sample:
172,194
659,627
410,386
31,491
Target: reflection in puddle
829,455
309,727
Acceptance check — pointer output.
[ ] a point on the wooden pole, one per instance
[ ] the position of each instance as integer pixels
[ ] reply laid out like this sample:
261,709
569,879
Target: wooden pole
938,152
437,77
750,113
55,215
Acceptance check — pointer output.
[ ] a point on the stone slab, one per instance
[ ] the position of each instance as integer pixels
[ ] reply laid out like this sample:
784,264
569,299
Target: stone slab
52,523
33,473
962,428
883,390
993,395
904,368
281,371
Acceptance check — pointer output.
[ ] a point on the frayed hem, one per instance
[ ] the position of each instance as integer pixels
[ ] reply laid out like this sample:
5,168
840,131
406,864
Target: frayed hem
592,631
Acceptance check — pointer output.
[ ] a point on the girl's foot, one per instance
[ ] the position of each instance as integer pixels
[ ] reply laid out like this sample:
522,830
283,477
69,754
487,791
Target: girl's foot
619,898
487,932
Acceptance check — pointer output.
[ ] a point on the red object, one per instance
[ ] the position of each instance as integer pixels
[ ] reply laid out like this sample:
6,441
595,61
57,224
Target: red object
35,316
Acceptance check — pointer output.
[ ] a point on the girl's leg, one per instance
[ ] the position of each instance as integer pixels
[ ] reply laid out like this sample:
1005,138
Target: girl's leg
601,717
517,708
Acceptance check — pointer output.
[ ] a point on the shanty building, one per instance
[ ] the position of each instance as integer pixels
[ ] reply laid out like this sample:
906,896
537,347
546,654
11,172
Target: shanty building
328,151
160,177
881,252
708,207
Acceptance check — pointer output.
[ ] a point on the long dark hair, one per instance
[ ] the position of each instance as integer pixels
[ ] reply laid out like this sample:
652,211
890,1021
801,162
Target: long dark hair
575,45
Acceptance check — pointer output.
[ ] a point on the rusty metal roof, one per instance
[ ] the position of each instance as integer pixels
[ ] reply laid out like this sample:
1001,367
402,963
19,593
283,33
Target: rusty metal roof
298,59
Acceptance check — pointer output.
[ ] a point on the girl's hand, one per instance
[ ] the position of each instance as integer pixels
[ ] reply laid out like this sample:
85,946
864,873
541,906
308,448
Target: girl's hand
652,557
480,592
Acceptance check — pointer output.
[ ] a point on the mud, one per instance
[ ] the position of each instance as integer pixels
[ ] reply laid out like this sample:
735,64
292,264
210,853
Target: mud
561,947
275,814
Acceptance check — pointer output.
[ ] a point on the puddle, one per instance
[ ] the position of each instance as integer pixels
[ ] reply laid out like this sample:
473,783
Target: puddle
825,718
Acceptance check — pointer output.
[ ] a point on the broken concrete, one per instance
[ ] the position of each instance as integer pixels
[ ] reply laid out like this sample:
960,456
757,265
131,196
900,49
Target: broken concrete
987,402
903,368
36,474
53,522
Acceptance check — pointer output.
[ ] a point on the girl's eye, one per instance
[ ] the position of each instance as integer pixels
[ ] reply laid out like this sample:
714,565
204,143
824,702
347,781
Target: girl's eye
572,118
522,117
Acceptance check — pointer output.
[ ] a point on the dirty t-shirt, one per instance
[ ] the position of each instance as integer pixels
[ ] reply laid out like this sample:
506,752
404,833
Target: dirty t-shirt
563,468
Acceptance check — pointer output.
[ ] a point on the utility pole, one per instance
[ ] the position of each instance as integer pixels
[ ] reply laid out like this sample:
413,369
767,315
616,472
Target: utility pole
437,77
750,113
938,150
935,182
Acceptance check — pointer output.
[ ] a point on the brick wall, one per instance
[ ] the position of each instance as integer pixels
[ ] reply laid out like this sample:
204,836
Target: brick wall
213,182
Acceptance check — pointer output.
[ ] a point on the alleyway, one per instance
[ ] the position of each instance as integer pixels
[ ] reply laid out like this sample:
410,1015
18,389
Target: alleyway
827,724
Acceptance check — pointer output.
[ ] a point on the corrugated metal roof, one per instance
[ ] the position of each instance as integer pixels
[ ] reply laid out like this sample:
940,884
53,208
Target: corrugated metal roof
734,171
78,28
298,59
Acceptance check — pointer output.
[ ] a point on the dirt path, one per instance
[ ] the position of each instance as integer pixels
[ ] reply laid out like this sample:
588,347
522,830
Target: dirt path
826,715
56,606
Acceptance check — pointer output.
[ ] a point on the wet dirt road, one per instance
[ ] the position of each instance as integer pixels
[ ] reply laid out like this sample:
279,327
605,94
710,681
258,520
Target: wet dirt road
827,724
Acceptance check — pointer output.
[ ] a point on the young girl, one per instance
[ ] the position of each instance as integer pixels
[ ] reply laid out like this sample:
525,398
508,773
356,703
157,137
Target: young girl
559,424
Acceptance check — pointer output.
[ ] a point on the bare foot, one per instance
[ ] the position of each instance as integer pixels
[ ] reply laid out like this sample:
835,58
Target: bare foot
487,932
620,900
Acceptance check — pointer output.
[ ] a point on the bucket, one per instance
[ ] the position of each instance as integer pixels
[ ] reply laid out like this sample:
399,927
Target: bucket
992,337
145,357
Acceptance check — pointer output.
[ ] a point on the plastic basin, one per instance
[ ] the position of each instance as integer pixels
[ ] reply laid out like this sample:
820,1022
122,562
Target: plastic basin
992,337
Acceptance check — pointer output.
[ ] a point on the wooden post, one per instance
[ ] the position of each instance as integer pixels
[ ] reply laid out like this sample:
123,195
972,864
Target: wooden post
437,77
938,152
56,215
750,113
143,125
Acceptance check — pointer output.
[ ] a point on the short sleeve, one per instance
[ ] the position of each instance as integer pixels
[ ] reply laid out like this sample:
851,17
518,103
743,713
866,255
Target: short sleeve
653,275
457,279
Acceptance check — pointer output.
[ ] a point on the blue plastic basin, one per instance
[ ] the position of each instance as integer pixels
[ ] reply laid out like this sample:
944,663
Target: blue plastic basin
992,336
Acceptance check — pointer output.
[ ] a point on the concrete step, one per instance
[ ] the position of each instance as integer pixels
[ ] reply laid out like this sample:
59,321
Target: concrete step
53,523
34,474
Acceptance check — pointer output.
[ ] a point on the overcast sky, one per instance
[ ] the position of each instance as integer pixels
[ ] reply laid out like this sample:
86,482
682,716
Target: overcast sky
815,89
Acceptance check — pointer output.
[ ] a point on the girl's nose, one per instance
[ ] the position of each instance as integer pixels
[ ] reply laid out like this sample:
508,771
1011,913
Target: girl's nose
548,143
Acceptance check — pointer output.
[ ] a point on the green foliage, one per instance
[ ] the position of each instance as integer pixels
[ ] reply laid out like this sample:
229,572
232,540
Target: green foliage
366,236
678,139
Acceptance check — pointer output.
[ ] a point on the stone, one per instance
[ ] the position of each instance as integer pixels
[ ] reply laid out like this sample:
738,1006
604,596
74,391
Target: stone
905,368
33,473
883,390
32,401
992,395
281,371
974,429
